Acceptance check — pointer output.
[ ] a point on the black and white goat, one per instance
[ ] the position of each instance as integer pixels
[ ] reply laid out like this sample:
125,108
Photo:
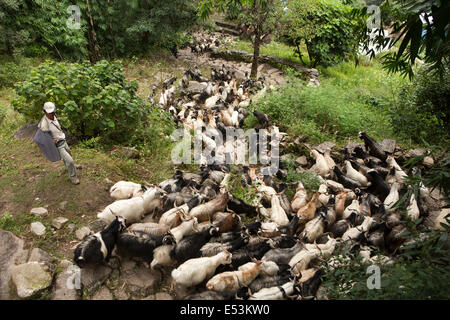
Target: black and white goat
97,248
141,245
189,247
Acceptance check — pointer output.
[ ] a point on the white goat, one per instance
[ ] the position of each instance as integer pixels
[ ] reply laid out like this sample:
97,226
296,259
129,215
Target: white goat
131,209
195,271
126,190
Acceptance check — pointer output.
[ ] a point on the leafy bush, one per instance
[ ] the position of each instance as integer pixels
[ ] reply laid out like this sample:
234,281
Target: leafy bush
92,100
422,110
421,271
349,100
14,69
326,27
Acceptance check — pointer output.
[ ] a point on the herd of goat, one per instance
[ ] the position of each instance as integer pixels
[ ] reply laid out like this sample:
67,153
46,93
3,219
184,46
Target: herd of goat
197,226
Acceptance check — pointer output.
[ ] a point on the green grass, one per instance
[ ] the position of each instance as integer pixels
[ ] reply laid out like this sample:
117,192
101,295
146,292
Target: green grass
273,48
350,99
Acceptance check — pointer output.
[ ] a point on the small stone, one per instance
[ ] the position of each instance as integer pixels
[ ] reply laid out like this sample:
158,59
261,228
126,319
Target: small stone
301,161
163,296
103,294
64,264
97,225
389,145
428,161
95,276
71,227
68,283
59,222
415,153
141,281
121,295
40,212
37,228
150,297
63,205
30,278
40,256
327,145
80,234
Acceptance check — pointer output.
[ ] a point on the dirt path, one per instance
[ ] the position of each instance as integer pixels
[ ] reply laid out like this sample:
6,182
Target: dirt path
273,75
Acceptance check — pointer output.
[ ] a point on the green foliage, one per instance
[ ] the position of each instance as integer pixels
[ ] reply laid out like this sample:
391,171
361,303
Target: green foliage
326,27
92,100
36,27
152,134
13,69
421,271
350,99
426,39
237,188
122,28
422,110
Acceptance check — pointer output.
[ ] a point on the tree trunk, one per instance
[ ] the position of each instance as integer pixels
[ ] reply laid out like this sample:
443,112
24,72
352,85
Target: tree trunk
95,54
312,63
256,44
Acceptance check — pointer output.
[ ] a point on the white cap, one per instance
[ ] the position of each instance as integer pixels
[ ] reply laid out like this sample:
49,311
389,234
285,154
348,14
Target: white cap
49,107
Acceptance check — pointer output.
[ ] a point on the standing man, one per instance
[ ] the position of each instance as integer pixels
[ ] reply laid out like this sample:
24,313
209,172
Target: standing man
50,125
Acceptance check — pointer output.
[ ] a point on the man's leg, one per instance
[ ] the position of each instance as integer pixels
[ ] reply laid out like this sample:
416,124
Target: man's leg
65,153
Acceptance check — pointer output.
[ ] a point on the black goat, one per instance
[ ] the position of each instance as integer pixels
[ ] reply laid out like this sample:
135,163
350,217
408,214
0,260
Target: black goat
141,245
189,247
373,146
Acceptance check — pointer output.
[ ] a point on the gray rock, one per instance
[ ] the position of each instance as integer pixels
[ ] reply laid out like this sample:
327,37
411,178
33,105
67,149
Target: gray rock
64,264
163,296
11,250
59,222
321,293
37,228
141,281
428,161
39,255
127,152
63,205
327,145
388,145
97,225
196,87
350,147
83,232
68,283
93,277
415,153
30,278
40,212
71,227
301,161
121,295
103,294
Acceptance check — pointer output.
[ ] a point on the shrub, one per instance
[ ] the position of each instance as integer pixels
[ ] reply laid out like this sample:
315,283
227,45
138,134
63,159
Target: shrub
326,27
420,272
92,100
422,110
14,69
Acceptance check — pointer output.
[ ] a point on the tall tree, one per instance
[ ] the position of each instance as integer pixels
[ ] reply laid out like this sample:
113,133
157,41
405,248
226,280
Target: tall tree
263,16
